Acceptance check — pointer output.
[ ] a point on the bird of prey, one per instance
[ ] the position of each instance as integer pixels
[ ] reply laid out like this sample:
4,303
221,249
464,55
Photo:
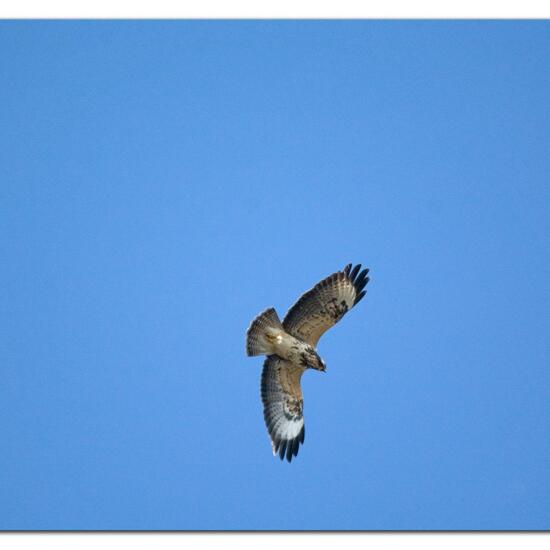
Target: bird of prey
290,347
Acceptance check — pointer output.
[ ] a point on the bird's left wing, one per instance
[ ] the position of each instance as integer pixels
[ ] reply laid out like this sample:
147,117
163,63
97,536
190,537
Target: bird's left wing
325,304
283,405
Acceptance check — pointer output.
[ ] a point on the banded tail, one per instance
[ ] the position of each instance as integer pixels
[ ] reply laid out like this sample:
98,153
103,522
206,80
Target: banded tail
263,333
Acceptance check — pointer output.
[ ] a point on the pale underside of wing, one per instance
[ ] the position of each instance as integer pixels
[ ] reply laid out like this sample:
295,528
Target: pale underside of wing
325,304
283,405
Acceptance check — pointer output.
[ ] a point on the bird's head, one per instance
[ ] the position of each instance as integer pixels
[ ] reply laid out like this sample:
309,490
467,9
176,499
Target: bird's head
311,360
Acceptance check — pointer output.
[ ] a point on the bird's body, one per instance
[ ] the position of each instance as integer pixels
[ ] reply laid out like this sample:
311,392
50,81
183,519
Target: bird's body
267,336
290,347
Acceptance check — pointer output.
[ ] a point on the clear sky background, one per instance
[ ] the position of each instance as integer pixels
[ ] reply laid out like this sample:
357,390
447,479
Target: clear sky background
163,182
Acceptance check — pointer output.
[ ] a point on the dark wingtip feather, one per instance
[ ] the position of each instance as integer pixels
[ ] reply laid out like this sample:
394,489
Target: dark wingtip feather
346,270
362,276
282,449
361,285
289,447
359,281
354,272
359,297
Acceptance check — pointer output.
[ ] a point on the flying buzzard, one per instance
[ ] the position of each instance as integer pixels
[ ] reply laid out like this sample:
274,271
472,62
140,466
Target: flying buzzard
290,349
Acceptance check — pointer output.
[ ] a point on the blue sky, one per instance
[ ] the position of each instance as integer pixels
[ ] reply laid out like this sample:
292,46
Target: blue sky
163,182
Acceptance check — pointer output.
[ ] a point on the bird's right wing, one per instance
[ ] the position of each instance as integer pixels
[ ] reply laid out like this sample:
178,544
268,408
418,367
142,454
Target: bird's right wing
283,405
325,304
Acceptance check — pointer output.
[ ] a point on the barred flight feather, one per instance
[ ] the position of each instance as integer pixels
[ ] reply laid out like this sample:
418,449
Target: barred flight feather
283,406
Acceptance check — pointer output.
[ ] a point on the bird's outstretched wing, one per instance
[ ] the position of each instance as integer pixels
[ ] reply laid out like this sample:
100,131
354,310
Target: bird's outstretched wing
325,304
283,405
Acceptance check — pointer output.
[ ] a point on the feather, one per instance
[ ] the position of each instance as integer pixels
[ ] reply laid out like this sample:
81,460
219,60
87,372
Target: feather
282,449
289,450
325,304
354,272
282,400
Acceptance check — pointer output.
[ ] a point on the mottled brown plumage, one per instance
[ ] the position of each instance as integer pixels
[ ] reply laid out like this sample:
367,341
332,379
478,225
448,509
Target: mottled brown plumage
290,349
